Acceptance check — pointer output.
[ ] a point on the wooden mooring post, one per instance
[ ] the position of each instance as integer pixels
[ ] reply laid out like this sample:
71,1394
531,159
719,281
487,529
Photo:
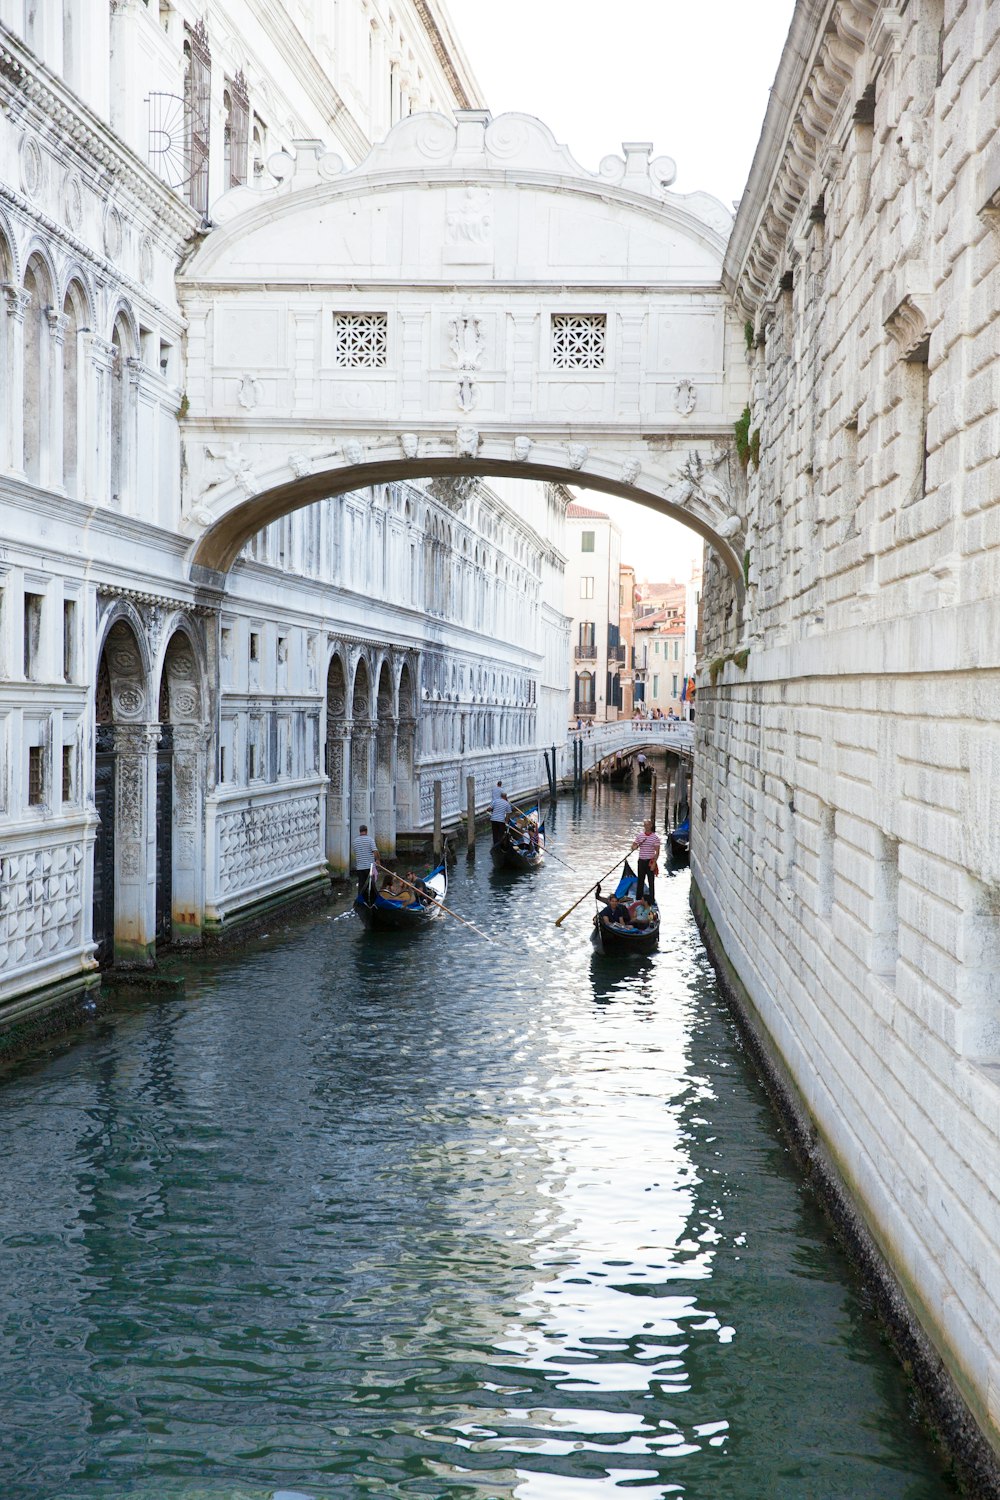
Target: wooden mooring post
470,815
438,841
652,803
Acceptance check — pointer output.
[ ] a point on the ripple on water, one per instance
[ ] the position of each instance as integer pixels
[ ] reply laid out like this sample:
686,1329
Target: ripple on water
364,1217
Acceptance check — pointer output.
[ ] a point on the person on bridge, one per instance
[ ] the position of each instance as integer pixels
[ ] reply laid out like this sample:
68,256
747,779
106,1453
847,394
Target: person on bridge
365,859
648,845
500,811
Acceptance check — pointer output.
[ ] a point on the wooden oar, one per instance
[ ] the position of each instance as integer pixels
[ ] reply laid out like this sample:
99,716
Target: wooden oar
547,851
561,920
435,902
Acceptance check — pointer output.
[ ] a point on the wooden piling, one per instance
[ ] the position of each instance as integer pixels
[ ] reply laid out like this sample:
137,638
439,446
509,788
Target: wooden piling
470,814
438,841
652,802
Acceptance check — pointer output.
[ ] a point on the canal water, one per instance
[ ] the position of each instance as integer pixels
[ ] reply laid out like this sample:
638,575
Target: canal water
365,1216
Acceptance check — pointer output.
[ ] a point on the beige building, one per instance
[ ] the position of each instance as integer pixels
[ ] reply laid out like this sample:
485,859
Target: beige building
660,639
626,629
593,603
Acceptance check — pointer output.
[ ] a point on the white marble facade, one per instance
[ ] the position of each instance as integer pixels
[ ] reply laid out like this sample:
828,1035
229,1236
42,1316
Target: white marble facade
845,830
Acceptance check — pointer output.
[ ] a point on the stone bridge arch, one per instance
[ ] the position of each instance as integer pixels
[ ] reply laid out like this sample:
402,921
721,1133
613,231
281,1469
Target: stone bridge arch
467,301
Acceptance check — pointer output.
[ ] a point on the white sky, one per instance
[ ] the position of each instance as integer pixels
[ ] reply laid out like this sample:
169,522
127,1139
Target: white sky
692,76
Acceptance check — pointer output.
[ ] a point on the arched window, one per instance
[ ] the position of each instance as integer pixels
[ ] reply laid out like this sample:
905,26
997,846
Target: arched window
74,314
123,416
35,404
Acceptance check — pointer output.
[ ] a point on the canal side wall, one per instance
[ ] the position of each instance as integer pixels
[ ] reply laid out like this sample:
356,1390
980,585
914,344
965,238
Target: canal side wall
844,829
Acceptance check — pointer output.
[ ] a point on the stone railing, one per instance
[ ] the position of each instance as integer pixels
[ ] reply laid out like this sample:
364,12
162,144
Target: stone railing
600,740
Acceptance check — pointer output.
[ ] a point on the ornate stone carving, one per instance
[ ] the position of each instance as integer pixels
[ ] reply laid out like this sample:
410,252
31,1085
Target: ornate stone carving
300,464
685,398
467,394
410,444
467,442
522,447
907,324
257,845
577,455
471,221
630,471
467,343
41,903
31,166
354,452
72,205
237,465
113,232
146,260
454,490
250,392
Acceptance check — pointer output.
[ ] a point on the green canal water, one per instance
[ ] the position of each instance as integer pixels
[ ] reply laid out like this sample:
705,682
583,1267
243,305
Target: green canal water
386,1217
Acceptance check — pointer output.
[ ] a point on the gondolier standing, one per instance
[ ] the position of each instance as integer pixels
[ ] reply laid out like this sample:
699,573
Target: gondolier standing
365,855
648,845
500,811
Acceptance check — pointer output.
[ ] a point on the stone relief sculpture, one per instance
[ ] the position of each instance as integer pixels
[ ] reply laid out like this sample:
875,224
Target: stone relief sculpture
577,454
467,344
630,471
467,442
685,398
472,222
250,392
522,447
410,444
467,394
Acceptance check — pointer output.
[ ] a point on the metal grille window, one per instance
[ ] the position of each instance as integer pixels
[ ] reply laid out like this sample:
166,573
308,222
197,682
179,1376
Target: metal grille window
237,130
67,773
361,340
197,114
578,341
36,775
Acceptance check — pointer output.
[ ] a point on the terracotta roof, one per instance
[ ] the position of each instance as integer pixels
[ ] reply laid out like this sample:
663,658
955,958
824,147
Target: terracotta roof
581,513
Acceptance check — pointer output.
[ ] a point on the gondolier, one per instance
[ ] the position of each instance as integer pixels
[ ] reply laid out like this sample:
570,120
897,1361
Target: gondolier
648,846
500,811
365,856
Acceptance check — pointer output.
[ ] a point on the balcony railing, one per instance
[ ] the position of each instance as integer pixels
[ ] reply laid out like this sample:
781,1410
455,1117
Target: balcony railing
616,653
585,706
585,653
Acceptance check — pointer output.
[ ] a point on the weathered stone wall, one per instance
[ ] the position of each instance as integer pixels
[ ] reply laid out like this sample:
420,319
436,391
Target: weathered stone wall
846,817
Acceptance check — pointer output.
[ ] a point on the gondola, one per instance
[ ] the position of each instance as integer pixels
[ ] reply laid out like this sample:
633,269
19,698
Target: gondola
680,839
516,851
645,777
620,775
388,914
614,937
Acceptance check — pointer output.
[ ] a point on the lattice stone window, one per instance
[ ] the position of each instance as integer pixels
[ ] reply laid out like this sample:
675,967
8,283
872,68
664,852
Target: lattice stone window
362,340
578,341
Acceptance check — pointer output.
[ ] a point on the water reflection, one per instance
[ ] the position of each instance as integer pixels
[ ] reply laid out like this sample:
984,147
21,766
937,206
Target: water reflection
367,1217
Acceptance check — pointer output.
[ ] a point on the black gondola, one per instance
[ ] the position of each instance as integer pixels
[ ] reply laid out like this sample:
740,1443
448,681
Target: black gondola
518,849
680,839
616,937
620,775
390,914
645,777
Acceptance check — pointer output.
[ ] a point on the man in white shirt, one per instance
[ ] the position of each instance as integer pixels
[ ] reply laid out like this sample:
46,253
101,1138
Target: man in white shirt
648,845
365,855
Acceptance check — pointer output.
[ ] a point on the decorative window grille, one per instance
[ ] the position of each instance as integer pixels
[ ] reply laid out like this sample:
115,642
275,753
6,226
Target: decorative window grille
67,773
197,114
362,340
578,341
36,775
238,126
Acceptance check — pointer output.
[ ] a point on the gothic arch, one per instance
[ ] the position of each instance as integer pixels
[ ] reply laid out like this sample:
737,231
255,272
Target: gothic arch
36,365
337,765
181,775
362,745
385,761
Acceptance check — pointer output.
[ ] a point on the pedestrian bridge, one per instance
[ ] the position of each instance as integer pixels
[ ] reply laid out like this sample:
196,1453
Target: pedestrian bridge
628,737
467,301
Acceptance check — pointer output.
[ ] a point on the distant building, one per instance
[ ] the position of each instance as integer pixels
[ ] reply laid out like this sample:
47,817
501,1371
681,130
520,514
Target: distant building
593,594
692,613
626,629
660,645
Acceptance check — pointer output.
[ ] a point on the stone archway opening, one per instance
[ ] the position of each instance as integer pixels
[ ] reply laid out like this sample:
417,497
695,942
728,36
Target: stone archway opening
362,734
385,764
405,752
124,884
336,766
180,782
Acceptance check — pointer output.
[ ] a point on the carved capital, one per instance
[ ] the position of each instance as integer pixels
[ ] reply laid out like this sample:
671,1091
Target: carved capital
18,300
907,324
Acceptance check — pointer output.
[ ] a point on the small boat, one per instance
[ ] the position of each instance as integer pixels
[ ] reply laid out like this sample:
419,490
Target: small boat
616,937
680,839
645,777
523,844
620,775
392,914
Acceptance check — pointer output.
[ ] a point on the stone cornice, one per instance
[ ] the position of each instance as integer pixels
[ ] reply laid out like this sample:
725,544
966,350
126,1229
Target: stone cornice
447,50
293,48
815,74
55,108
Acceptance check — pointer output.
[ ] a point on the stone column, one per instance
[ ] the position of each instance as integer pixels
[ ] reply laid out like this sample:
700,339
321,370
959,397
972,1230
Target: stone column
406,734
18,302
135,844
385,780
362,763
338,802
52,440
93,398
187,888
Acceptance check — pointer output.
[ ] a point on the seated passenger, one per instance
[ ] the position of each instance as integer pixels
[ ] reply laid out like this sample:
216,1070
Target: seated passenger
616,912
642,914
